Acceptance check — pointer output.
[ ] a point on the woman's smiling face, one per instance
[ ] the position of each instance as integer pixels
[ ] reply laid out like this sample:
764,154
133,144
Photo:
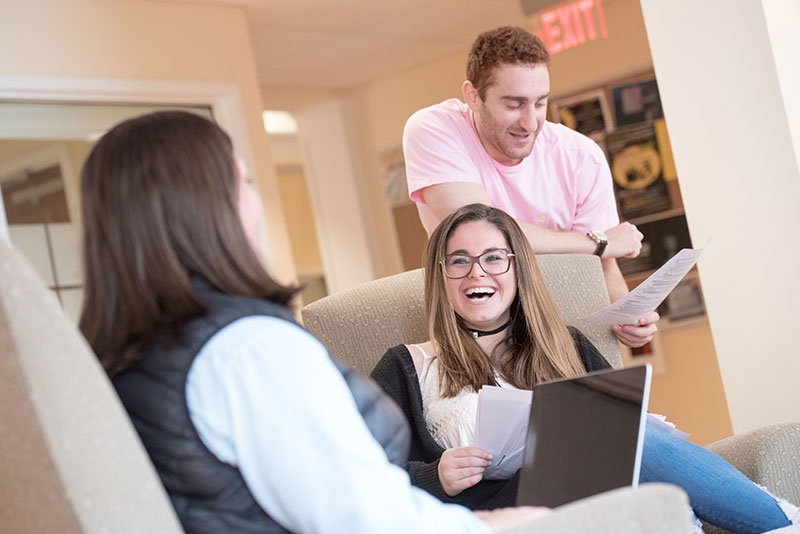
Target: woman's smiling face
481,300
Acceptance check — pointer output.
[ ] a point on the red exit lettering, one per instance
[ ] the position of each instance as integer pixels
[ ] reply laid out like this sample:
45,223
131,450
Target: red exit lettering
572,24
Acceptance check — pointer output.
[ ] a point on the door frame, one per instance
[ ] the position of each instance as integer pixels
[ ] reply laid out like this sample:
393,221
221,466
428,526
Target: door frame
223,98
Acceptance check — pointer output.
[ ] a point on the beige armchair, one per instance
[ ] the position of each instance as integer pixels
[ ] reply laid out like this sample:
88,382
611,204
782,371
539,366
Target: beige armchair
70,460
359,324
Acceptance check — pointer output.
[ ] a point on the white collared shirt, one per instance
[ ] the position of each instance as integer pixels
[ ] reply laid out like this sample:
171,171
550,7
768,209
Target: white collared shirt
266,398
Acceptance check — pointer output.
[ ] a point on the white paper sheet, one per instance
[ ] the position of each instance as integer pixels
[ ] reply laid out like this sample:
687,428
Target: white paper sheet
501,427
659,421
649,294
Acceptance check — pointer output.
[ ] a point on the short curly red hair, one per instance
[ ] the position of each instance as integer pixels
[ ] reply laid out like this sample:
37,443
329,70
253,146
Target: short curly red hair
505,45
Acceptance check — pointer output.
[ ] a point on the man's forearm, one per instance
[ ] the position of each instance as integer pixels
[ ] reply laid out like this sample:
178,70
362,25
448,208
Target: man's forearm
624,240
615,282
546,241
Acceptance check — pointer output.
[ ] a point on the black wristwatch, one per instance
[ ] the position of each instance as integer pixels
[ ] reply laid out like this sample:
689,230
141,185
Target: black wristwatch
601,239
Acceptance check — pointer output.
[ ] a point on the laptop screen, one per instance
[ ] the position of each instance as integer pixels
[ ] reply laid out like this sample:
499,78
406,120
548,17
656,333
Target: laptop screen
585,436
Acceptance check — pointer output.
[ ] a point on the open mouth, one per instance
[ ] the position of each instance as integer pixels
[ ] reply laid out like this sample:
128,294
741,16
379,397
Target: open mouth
479,293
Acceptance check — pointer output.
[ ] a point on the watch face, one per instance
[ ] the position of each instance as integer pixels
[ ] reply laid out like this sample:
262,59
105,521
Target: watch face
599,236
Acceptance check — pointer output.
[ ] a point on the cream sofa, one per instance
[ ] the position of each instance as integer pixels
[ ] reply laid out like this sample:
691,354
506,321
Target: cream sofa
359,324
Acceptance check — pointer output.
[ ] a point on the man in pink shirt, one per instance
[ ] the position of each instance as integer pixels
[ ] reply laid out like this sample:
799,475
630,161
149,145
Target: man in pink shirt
497,148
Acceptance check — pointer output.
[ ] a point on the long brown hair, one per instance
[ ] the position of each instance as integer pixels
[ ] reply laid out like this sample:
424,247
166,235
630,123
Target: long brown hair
160,208
541,346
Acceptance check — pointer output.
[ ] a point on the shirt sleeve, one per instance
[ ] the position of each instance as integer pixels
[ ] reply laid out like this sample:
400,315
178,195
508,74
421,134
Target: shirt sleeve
265,397
597,207
435,147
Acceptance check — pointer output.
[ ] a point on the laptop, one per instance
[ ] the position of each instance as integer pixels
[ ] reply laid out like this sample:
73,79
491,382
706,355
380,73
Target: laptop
585,436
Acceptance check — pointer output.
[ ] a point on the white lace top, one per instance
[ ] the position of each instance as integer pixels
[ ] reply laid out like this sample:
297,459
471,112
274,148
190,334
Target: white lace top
451,420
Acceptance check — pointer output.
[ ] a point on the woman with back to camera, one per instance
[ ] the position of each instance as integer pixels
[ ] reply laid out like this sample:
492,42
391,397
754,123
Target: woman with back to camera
251,426
492,321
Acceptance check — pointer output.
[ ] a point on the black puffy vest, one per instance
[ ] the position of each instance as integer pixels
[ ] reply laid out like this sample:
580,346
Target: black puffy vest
209,495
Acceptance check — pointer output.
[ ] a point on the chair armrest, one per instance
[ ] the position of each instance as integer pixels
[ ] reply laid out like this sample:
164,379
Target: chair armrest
769,456
648,509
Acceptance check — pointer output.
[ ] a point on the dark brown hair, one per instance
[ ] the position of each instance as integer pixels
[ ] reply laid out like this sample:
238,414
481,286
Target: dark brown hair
160,208
507,45
541,347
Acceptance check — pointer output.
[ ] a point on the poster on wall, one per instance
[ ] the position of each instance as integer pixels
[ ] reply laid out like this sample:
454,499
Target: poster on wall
651,353
663,238
636,102
637,172
684,302
587,113
393,169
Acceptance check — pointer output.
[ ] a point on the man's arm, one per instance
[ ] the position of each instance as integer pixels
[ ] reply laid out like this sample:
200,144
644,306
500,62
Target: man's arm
615,282
624,240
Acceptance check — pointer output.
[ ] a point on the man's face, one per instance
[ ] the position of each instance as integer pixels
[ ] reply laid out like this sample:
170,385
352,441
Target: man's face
513,112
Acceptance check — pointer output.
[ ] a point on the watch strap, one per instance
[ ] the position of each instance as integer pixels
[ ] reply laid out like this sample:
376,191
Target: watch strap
601,247
601,243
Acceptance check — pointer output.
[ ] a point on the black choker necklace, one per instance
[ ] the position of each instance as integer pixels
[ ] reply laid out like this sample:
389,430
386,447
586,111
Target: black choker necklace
480,333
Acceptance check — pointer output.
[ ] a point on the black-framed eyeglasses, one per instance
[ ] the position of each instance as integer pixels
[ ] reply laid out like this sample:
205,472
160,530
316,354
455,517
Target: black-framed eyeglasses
495,261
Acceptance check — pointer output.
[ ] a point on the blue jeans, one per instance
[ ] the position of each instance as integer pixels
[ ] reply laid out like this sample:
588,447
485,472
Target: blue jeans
718,492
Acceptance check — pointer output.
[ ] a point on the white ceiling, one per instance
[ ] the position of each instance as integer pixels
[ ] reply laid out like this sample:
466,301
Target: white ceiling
334,44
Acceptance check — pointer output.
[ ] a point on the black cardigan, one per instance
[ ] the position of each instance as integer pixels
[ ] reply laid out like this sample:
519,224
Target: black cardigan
396,374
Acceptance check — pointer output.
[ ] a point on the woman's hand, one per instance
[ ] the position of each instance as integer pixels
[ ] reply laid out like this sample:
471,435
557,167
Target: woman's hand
639,334
461,468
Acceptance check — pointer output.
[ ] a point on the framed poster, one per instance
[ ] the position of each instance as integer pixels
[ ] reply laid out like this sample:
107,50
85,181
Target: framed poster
663,238
636,102
685,301
587,113
393,169
651,353
637,171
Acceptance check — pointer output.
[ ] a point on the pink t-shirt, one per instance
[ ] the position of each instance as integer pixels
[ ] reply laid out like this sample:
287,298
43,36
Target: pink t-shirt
564,184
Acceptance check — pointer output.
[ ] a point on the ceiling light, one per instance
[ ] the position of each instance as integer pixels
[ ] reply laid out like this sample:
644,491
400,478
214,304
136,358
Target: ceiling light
279,122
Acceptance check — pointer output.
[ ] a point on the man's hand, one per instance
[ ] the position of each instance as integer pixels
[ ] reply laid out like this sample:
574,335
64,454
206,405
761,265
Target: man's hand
461,468
639,334
624,241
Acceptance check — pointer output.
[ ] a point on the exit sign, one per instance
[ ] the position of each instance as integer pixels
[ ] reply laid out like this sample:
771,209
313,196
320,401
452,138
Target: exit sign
570,24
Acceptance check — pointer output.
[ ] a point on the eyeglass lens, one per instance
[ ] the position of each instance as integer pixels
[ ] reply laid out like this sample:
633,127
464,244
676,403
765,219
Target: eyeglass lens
492,262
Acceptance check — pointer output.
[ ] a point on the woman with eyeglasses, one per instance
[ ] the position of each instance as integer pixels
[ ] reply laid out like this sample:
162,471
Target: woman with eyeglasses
492,321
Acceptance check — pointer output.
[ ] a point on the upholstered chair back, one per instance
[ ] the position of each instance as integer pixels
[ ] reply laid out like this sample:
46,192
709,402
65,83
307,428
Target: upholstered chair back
360,323
70,459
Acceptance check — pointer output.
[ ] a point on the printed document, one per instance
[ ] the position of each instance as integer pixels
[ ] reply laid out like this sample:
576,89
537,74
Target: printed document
501,428
649,294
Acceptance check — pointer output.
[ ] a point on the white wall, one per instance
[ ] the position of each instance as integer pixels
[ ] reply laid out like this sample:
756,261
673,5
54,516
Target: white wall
148,42
729,87
334,178
783,23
